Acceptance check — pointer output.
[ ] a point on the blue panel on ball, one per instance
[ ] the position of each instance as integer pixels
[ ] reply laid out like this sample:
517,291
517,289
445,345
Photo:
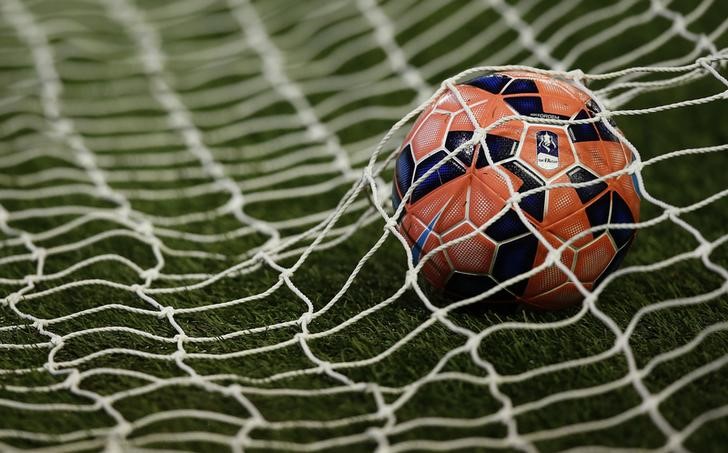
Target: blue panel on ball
457,138
430,182
583,132
493,83
598,212
446,172
500,148
592,106
508,226
469,285
519,86
588,192
605,133
620,214
396,199
404,168
515,258
533,204
526,105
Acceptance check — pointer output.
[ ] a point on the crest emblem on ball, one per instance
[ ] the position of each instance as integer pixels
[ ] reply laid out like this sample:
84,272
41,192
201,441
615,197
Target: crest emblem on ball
547,150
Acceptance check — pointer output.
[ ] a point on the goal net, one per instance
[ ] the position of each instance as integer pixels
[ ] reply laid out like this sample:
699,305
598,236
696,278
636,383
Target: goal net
199,249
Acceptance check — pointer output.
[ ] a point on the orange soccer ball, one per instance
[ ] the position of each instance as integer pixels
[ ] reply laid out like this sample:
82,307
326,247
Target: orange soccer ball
466,191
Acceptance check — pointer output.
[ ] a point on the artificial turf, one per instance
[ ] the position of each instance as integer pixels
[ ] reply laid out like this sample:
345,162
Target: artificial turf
679,181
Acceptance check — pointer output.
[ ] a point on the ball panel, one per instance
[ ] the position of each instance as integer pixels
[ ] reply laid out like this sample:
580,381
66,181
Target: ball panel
616,155
620,214
492,83
574,224
526,105
514,258
432,204
448,102
430,135
436,269
532,204
465,285
521,86
592,156
562,202
586,192
484,203
583,132
474,255
534,152
561,106
614,264
500,147
552,276
404,169
598,211
592,259
426,182
506,227
455,211
418,122
561,297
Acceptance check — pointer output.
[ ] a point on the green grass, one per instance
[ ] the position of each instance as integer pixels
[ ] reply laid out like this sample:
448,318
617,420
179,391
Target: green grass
679,181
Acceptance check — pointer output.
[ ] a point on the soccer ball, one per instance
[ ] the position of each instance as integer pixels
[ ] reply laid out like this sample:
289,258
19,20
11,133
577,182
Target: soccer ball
467,191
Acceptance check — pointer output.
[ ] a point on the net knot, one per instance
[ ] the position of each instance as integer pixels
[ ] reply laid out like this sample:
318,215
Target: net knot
376,433
505,413
704,249
674,442
229,185
149,274
215,170
411,277
39,253
552,257
235,203
575,74
181,337
317,132
73,379
704,43
136,288
678,24
166,312
124,211
473,343
145,227
40,323
12,299
620,342
672,211
304,319
285,274
649,404
326,367
64,127
178,355
391,223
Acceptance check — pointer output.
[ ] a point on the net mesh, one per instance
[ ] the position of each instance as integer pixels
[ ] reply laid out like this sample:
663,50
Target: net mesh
196,212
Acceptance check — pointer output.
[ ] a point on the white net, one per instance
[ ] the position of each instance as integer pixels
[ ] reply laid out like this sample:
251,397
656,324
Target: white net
199,249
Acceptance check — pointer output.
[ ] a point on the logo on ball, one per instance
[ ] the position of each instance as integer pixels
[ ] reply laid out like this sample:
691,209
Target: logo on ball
547,150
